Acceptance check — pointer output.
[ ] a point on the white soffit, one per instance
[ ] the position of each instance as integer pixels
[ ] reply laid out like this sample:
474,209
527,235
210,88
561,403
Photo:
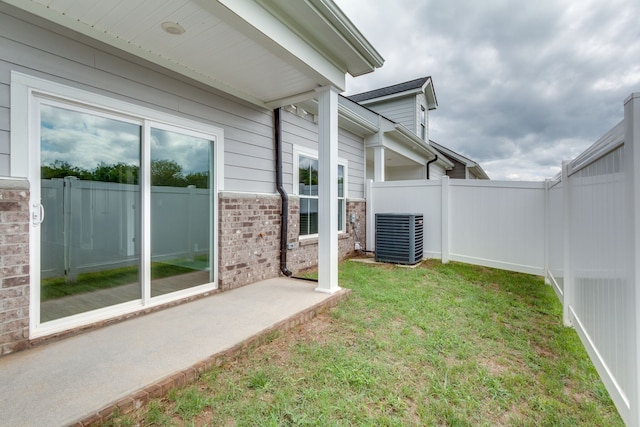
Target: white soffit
247,56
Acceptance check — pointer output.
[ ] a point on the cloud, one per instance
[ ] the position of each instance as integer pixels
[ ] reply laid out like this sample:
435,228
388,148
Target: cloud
86,140
519,84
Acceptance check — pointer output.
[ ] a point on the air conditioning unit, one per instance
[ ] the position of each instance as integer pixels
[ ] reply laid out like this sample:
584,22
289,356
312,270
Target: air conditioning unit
399,238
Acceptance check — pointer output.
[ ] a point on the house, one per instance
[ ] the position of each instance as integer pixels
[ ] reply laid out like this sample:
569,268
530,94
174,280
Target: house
464,168
145,159
409,104
152,155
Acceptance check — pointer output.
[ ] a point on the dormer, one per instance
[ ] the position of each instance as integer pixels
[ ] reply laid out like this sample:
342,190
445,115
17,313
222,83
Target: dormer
406,103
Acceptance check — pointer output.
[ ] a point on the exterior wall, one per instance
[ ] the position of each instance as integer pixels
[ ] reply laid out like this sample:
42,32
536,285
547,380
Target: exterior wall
401,111
14,265
305,253
405,172
250,238
249,215
302,132
436,171
459,170
40,52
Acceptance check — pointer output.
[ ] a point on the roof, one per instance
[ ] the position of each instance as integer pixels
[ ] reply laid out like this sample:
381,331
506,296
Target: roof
410,86
266,52
474,166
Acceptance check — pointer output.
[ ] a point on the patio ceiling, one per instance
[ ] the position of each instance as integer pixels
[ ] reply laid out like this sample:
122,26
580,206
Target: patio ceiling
268,52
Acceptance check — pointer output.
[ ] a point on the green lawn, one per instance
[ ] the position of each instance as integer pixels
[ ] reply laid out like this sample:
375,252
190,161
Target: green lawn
58,287
450,344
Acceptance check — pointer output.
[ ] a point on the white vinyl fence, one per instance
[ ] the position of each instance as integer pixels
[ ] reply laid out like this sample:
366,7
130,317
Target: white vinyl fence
581,230
91,226
490,223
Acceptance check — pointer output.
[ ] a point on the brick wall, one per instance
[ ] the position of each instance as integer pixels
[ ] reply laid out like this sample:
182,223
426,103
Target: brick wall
249,239
14,265
305,253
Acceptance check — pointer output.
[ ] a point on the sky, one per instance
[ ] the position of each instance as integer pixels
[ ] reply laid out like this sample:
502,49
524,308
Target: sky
521,85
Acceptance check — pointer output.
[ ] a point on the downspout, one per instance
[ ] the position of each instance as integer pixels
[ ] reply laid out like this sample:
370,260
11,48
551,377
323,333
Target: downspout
429,164
284,209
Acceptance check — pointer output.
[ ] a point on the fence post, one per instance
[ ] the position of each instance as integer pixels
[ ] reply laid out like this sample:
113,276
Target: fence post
444,187
547,219
370,214
631,168
566,237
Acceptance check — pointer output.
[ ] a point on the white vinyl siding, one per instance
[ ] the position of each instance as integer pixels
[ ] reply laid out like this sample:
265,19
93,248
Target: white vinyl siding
405,111
249,154
436,171
302,132
401,111
405,173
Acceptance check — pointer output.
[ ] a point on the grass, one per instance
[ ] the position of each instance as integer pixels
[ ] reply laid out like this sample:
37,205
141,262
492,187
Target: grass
58,287
453,344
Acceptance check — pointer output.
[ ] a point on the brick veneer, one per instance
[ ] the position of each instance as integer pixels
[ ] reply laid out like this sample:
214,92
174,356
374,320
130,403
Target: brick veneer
250,238
14,265
305,254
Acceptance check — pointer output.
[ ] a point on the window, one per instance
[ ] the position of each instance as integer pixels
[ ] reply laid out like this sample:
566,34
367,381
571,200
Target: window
308,192
423,123
129,197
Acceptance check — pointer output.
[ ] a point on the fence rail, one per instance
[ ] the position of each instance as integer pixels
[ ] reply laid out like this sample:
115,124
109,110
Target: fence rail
580,230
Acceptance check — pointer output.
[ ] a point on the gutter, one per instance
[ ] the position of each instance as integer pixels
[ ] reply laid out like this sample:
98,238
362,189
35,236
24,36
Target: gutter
429,164
284,208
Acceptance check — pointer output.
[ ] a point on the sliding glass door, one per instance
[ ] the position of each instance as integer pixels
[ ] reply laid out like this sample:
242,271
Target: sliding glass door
127,212
90,193
181,199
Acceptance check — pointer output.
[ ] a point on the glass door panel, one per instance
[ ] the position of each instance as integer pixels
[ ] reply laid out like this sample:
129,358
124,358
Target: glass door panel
181,205
90,191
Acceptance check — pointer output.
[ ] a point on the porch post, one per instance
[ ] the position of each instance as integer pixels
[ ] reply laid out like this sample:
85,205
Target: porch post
378,163
327,190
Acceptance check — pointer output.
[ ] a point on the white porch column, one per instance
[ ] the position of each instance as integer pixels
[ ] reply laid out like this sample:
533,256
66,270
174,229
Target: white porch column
378,163
327,190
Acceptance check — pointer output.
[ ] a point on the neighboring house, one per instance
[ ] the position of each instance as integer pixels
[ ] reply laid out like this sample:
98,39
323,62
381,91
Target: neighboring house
144,157
409,104
392,151
464,168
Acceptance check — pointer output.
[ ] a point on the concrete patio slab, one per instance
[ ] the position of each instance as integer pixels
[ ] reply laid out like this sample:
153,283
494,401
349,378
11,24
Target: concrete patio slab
83,378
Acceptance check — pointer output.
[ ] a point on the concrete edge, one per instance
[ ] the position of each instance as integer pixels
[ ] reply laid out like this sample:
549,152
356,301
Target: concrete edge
161,388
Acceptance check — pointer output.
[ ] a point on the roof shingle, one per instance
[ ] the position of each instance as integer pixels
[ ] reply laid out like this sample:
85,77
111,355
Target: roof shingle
389,90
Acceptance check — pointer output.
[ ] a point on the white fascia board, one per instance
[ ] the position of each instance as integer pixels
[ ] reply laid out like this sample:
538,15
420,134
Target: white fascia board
430,92
416,140
360,46
260,25
459,157
411,92
349,118
479,172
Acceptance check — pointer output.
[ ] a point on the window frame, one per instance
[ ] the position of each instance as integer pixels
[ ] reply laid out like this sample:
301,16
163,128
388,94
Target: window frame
27,94
312,154
423,122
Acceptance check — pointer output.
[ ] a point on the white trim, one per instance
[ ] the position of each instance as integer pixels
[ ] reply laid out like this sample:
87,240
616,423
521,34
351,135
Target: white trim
312,154
27,94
